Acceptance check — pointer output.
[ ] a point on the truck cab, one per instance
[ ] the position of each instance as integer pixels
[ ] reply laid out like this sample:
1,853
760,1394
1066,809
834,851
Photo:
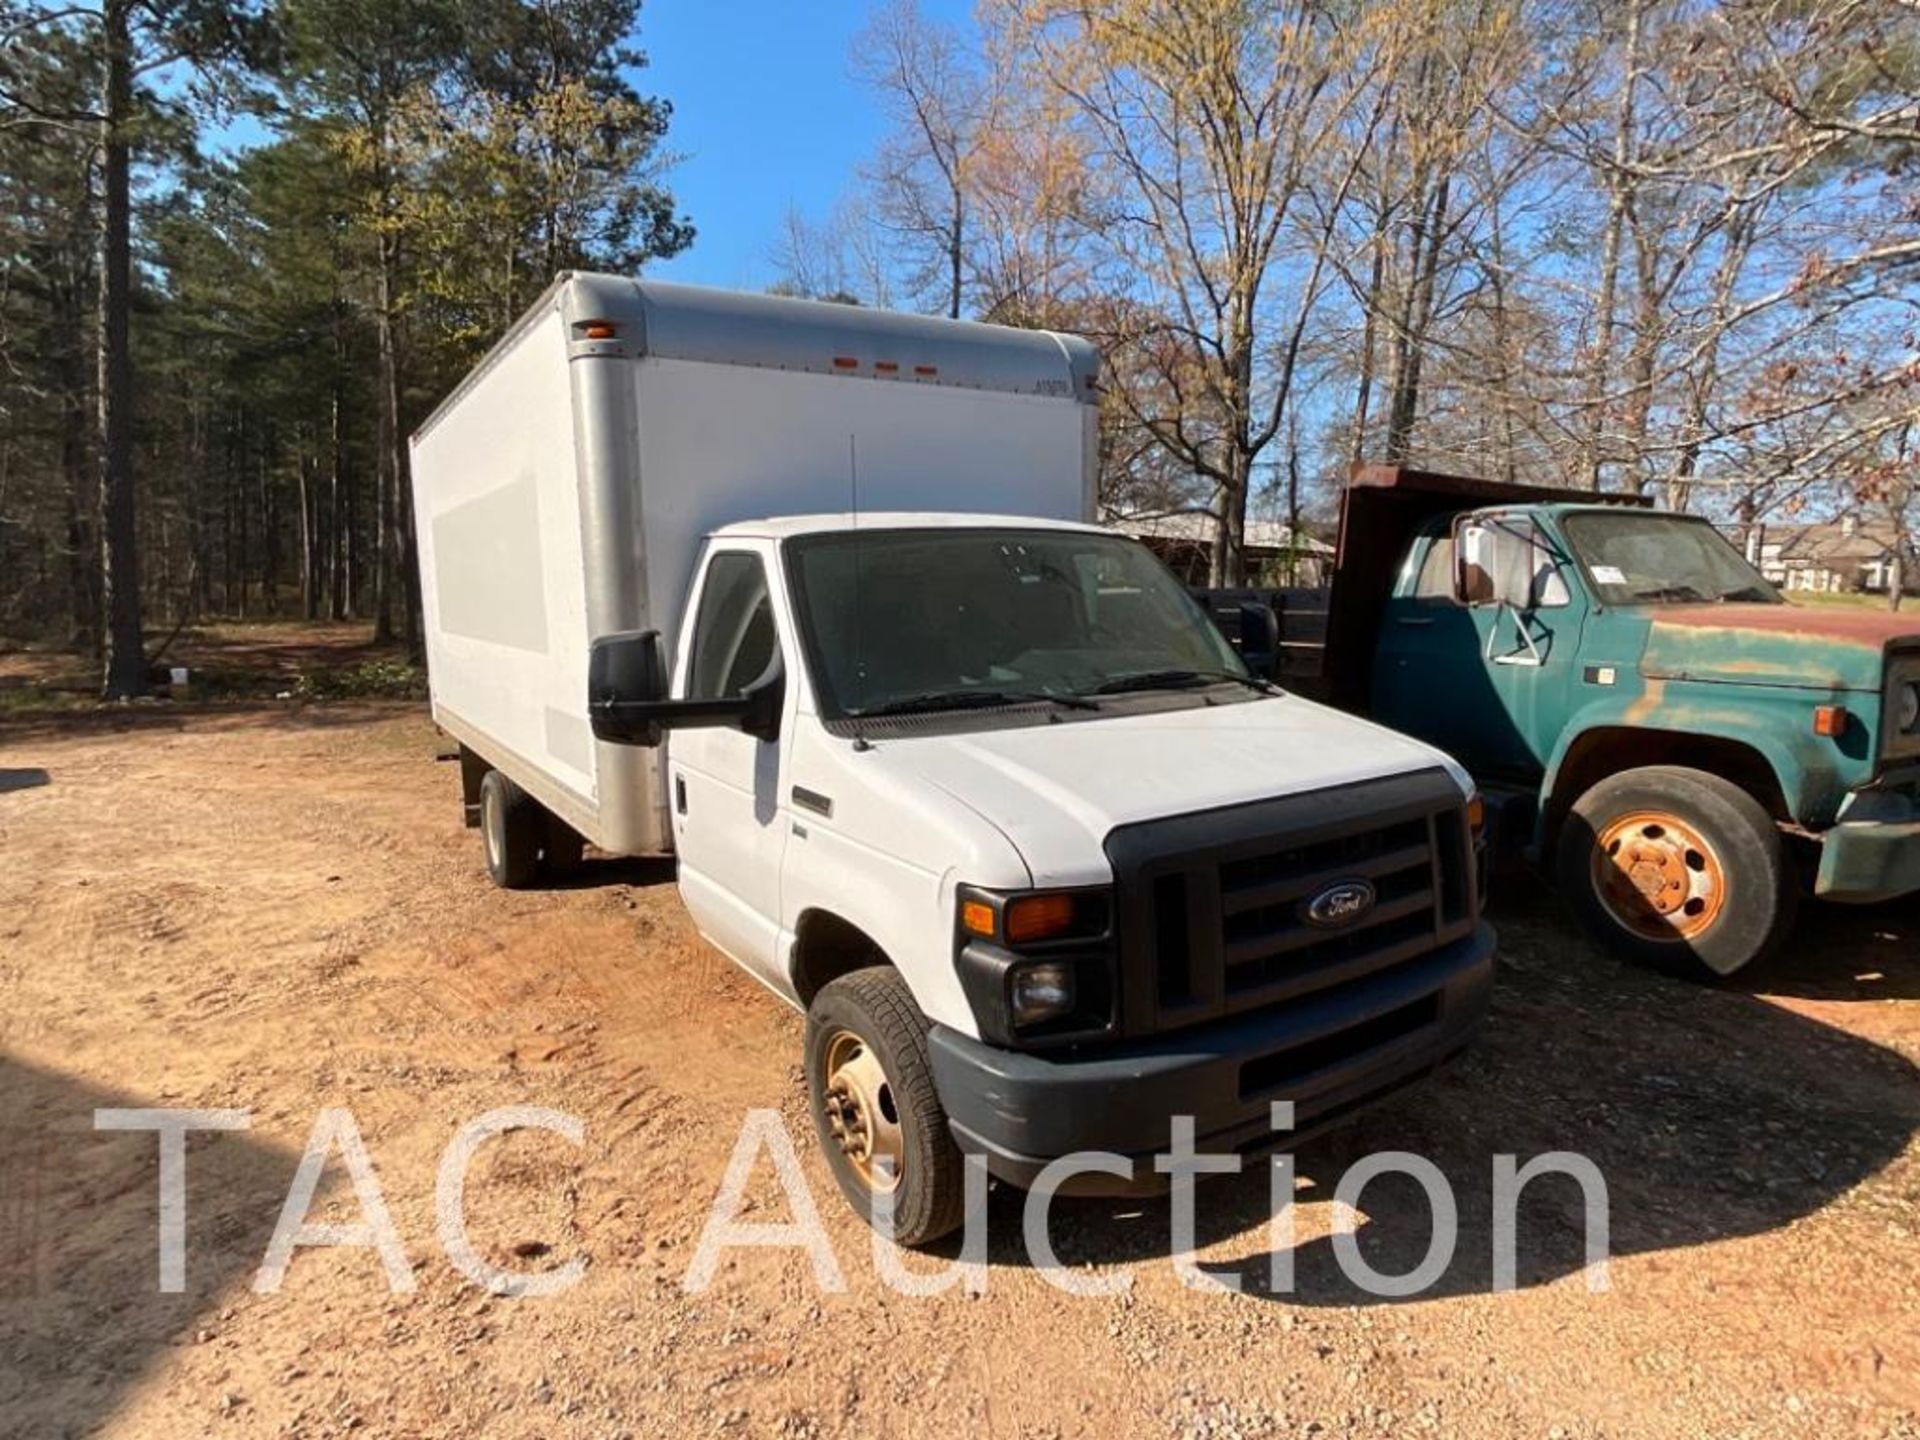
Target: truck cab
994,803
1648,714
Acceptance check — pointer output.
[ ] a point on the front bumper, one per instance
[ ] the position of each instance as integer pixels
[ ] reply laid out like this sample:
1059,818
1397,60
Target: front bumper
1863,862
1332,1055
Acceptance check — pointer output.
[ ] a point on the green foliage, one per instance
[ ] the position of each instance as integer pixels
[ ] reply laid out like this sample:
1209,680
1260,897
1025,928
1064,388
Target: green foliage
413,173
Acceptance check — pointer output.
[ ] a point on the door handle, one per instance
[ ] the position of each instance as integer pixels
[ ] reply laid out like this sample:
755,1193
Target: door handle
680,794
1413,620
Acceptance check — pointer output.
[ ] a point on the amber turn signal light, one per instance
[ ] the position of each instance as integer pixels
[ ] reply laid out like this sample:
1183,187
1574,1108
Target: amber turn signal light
976,918
1830,720
1476,814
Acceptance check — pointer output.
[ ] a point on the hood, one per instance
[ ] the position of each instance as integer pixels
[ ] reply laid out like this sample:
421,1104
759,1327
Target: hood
1795,645
1057,790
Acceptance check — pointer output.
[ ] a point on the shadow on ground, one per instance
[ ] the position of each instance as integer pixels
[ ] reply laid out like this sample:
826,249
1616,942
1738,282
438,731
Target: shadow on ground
1711,1113
82,1319
30,778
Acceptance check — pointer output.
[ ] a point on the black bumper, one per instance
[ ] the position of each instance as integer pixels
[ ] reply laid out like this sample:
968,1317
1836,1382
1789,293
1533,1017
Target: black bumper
1332,1055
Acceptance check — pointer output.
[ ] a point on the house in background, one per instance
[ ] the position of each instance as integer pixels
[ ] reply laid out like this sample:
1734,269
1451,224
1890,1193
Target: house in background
1275,558
1842,556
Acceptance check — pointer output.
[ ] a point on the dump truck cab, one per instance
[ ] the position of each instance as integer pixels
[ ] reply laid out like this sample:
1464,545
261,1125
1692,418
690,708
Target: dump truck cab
1645,711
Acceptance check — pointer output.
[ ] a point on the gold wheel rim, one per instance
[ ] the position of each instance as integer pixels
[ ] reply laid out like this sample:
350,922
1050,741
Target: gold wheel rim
861,1115
1658,877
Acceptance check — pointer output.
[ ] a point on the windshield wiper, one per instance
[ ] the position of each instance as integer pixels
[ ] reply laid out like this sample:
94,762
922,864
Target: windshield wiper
1669,592
1749,592
1177,680
936,700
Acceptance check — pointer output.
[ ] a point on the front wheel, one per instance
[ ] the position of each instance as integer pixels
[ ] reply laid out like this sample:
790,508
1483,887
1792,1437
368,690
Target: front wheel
1677,869
878,1116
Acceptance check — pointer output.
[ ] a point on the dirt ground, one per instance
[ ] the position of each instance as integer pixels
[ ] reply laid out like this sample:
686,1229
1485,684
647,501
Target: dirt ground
272,906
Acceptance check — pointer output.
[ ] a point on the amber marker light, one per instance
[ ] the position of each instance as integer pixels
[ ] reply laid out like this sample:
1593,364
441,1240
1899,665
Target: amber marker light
1830,721
976,918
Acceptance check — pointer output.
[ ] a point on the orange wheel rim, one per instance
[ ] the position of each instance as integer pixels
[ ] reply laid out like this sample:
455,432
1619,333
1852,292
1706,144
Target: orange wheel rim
1658,877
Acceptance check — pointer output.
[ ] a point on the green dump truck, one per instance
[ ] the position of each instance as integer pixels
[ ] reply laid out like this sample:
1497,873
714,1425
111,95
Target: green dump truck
1649,719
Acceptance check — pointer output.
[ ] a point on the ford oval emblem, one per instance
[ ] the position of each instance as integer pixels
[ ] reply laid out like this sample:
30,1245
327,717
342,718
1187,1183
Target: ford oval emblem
1341,903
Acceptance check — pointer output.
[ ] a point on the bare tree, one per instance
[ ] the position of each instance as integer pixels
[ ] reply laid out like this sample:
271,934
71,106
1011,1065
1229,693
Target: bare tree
940,106
1216,123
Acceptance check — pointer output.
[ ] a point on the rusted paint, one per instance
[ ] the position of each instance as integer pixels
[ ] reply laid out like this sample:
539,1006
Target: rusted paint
1645,710
1878,629
1780,645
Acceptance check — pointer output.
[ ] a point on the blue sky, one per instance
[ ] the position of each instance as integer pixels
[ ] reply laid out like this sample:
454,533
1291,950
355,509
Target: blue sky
766,115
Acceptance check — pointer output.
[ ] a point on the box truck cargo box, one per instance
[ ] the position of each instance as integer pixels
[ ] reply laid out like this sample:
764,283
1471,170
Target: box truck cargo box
564,490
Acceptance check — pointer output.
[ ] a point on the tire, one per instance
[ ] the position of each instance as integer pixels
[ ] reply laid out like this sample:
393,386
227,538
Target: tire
513,826
560,847
866,1017
1677,869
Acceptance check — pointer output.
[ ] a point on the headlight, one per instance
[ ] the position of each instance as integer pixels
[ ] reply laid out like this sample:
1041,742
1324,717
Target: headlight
1907,709
1037,966
1039,992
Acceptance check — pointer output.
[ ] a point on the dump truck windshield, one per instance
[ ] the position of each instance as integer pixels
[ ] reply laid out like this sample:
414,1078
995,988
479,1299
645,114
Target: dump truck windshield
1636,558
905,621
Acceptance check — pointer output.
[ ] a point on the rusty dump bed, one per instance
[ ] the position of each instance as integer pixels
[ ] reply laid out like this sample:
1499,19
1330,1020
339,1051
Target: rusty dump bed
1383,508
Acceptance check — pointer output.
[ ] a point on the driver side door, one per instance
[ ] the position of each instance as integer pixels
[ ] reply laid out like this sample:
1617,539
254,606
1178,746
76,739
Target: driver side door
729,824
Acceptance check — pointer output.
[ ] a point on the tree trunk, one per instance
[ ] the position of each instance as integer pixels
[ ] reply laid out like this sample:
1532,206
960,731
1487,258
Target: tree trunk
1619,198
124,673
309,533
386,563
83,544
955,245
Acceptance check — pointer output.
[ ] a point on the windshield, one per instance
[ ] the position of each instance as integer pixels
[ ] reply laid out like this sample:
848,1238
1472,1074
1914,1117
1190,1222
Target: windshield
1637,558
896,621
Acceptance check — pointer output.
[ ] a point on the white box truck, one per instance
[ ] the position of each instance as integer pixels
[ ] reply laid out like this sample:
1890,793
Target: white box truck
806,595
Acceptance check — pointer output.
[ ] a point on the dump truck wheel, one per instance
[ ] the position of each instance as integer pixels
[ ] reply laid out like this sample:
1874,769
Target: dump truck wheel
513,826
879,1118
1677,869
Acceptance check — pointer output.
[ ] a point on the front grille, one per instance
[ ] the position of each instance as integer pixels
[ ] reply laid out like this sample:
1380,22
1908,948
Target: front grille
1215,906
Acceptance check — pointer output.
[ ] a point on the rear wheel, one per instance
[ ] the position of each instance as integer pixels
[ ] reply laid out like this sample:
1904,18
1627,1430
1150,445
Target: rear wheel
1678,869
513,826
560,847
878,1116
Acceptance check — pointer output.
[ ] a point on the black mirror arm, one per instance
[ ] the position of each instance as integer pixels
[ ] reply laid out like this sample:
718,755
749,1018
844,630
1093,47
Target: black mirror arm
676,714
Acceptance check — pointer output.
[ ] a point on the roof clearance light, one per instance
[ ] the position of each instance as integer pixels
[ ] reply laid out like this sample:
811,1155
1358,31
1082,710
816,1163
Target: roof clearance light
599,330
928,371
887,367
844,362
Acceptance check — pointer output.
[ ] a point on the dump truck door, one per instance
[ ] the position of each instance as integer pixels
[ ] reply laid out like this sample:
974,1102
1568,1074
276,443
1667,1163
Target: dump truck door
1480,650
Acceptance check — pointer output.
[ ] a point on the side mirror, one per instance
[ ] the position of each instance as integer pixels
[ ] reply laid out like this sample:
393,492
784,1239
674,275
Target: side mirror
1494,563
1260,638
626,686
627,701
